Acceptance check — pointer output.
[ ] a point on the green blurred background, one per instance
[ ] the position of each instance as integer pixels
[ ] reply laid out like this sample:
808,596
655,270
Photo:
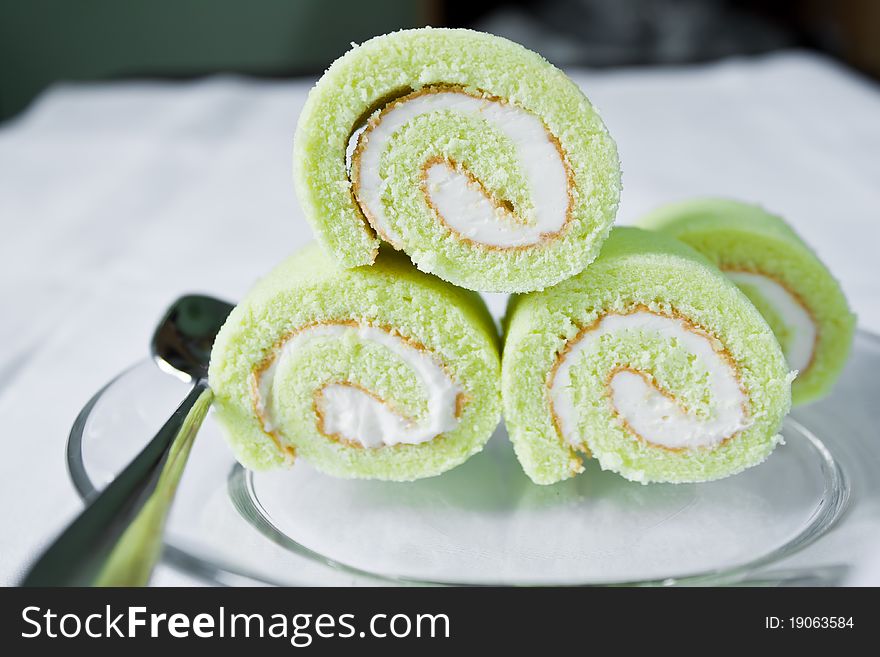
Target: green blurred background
42,41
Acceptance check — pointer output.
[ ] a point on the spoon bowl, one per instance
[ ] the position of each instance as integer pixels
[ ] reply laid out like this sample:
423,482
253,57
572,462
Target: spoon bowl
182,342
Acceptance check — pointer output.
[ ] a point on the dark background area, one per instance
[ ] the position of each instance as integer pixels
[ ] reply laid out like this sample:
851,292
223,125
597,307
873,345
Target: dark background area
45,41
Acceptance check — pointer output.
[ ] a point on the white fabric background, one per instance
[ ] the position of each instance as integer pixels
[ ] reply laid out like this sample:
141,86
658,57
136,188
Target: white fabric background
116,198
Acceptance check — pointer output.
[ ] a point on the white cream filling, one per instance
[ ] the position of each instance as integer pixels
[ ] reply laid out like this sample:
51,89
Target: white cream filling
357,416
651,414
460,201
802,330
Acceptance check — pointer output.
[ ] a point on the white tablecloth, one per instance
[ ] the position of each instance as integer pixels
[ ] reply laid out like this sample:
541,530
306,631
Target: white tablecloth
116,198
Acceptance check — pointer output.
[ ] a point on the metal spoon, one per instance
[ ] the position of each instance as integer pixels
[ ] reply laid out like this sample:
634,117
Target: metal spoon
117,539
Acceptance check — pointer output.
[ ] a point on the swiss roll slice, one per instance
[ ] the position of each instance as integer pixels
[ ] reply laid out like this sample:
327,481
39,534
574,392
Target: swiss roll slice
651,361
793,289
373,372
479,159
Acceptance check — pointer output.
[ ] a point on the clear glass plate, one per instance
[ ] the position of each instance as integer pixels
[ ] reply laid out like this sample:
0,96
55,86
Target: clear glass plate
485,523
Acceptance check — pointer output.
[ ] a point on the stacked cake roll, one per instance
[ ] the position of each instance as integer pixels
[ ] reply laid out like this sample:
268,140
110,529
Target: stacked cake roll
379,372
795,292
473,155
651,361
433,164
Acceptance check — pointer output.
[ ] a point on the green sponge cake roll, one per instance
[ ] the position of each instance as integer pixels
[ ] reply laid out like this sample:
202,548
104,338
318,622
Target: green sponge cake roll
650,360
375,372
476,157
795,292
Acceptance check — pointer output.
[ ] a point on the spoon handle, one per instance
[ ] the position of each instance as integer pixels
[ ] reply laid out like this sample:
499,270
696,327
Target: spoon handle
117,539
